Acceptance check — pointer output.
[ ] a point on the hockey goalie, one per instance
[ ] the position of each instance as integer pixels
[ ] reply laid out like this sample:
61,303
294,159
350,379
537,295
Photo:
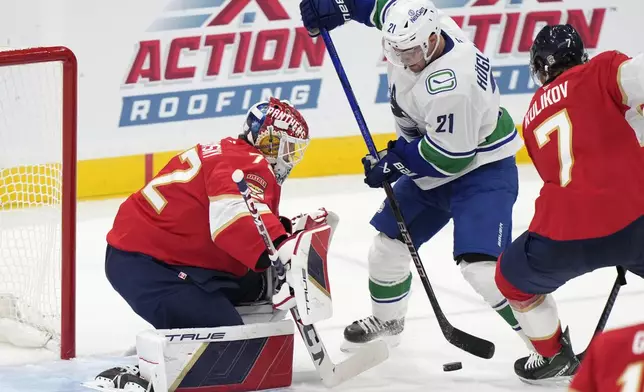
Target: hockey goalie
185,254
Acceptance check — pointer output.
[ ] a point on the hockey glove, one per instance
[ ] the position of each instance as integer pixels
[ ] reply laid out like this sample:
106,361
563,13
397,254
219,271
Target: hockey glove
312,219
389,168
284,252
328,14
287,223
283,296
309,220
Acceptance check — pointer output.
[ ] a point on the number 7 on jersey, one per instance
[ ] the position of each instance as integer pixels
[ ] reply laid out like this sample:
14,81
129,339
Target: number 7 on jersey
560,122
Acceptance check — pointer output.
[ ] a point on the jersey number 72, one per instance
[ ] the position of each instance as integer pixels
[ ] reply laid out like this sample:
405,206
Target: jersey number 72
559,122
152,194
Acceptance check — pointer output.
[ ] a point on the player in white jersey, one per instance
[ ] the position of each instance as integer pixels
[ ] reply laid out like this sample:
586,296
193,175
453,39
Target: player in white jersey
454,158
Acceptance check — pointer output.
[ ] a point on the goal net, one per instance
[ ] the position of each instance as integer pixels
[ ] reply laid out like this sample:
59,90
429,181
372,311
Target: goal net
37,197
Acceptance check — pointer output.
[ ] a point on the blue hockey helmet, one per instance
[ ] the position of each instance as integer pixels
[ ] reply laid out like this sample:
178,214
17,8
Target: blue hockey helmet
279,132
554,50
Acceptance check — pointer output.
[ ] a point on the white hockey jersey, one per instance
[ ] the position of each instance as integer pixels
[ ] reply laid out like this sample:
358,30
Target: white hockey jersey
453,105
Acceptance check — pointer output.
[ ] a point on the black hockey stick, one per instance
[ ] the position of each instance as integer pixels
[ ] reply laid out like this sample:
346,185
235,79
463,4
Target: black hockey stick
331,373
463,340
603,319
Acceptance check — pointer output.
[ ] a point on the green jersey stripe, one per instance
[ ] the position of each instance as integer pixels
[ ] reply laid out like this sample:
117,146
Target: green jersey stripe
447,165
504,128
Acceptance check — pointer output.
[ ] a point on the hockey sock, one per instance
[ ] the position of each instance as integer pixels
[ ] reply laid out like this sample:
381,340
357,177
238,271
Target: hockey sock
389,278
540,322
550,345
389,299
505,310
537,315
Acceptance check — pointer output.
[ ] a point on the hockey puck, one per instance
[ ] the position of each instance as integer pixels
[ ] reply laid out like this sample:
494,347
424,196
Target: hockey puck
450,367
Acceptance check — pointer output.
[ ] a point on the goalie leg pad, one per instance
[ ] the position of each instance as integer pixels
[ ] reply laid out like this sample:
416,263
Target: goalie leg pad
241,358
261,312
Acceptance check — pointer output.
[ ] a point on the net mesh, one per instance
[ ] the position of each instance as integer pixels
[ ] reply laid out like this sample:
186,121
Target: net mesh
31,195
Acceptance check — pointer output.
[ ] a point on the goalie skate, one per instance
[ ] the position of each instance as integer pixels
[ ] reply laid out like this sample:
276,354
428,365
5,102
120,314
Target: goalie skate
369,329
120,379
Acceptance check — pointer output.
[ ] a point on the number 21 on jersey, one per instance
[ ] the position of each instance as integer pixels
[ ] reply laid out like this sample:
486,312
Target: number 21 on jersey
560,123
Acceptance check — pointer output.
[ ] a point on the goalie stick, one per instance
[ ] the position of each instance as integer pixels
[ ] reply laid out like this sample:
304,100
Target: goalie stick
463,340
331,373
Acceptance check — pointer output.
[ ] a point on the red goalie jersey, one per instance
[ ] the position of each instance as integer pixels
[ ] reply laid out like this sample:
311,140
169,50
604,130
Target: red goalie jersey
192,214
614,363
582,132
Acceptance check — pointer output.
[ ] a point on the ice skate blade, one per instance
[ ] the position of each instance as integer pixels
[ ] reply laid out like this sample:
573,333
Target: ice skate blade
562,381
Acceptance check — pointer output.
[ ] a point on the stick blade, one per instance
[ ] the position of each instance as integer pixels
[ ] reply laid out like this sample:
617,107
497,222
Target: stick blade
472,344
364,359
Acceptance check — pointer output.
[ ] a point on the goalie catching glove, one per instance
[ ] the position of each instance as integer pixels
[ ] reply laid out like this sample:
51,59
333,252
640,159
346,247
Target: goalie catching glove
304,256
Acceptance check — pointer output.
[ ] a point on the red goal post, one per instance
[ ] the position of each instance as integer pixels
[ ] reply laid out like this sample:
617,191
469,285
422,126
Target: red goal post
29,187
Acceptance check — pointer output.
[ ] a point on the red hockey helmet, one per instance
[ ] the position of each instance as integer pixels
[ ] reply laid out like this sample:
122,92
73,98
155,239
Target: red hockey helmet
279,132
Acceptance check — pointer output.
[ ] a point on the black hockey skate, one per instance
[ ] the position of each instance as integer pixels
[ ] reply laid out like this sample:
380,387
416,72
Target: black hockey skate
126,378
369,329
558,369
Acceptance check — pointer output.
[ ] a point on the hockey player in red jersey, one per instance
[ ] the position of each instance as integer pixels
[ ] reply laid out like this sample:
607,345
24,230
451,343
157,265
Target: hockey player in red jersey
579,133
184,250
614,362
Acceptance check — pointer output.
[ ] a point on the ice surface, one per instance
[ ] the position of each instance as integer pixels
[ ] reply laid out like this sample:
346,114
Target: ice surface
107,326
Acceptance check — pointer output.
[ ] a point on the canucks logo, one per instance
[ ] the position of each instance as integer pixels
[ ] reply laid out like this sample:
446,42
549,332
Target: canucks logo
441,81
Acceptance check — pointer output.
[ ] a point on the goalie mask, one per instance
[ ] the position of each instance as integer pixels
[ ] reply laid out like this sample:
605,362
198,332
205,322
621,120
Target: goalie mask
279,132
